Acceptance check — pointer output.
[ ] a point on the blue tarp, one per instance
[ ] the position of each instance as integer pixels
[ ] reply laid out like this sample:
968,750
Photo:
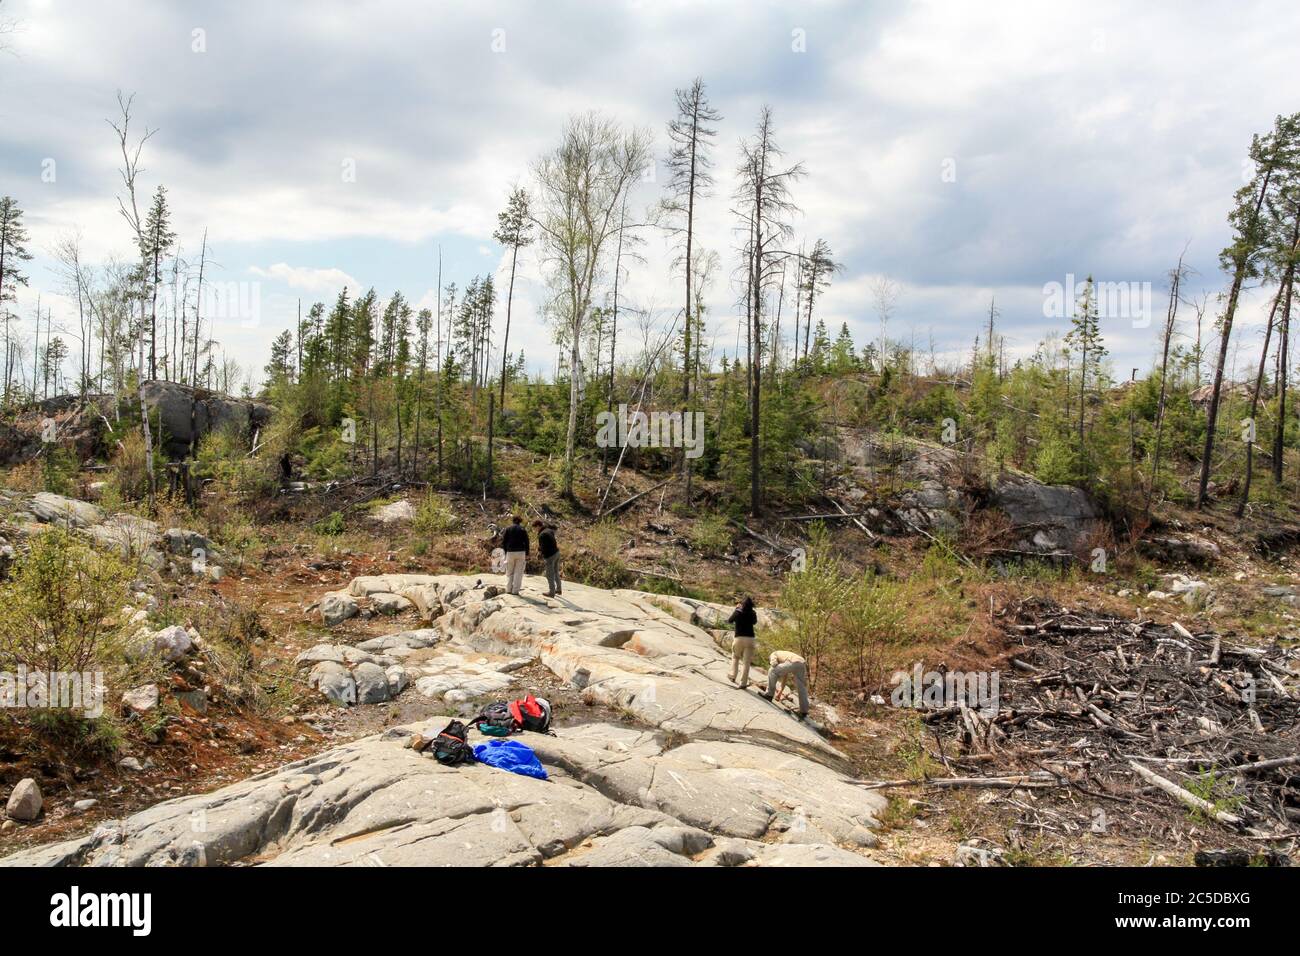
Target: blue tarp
510,755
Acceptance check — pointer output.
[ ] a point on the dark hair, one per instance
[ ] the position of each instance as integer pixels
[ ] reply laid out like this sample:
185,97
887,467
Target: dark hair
516,519
538,523
748,604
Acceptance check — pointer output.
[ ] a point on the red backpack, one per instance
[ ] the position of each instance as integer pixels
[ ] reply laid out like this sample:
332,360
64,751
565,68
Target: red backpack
529,714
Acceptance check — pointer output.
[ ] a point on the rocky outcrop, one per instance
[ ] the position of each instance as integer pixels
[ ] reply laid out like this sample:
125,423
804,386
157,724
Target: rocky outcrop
938,492
1188,549
129,535
619,647
187,414
697,771
614,797
76,423
1051,519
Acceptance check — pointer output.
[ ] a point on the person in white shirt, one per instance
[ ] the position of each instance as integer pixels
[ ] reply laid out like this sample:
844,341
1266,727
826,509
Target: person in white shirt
784,668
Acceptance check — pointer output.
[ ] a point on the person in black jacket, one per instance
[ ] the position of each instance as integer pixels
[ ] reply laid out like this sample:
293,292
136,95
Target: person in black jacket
514,541
742,645
550,552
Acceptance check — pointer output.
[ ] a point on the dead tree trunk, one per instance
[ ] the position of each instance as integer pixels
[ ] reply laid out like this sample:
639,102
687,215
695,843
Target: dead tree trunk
1171,318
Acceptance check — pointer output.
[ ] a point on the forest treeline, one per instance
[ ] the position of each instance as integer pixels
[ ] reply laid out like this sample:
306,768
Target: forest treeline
370,384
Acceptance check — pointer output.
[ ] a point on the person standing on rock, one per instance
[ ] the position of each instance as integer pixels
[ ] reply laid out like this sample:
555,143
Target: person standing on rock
550,552
742,645
514,541
784,668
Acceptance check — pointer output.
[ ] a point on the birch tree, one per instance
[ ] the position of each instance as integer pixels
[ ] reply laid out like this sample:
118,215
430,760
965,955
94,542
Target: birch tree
580,189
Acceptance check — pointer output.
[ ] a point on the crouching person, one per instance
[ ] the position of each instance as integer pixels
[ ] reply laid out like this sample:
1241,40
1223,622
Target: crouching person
783,669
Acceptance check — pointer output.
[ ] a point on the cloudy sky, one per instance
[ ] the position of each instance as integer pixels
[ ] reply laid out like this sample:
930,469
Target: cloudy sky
962,149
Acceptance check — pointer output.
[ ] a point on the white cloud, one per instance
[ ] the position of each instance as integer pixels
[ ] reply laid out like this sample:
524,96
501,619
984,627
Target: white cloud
1086,135
321,281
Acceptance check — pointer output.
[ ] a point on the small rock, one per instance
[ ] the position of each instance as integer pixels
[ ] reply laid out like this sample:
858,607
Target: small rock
130,763
401,510
335,608
141,700
81,806
371,683
398,679
978,853
384,603
335,682
171,643
196,700
25,801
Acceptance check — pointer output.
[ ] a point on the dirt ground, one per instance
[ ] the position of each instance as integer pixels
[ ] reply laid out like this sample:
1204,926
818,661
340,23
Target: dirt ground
289,565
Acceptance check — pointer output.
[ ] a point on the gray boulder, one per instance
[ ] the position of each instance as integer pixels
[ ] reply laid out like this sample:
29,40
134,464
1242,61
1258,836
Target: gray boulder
371,683
50,508
389,603
398,679
172,644
335,682
25,801
335,608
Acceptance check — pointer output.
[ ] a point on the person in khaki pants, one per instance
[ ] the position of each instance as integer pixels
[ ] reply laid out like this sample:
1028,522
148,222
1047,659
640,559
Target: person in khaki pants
784,668
742,646
515,543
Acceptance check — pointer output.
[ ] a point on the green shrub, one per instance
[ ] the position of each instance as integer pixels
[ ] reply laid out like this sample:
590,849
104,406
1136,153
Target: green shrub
332,525
59,470
56,609
711,535
434,516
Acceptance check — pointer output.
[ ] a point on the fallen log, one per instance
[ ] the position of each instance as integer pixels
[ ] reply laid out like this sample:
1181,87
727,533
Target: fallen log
640,494
829,516
1273,764
1015,782
1185,796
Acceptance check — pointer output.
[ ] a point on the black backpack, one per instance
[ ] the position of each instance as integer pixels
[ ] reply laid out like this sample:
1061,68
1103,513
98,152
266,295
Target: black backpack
495,720
450,748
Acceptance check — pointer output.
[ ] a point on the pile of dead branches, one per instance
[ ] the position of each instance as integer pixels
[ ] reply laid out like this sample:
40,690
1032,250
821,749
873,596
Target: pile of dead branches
1147,714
